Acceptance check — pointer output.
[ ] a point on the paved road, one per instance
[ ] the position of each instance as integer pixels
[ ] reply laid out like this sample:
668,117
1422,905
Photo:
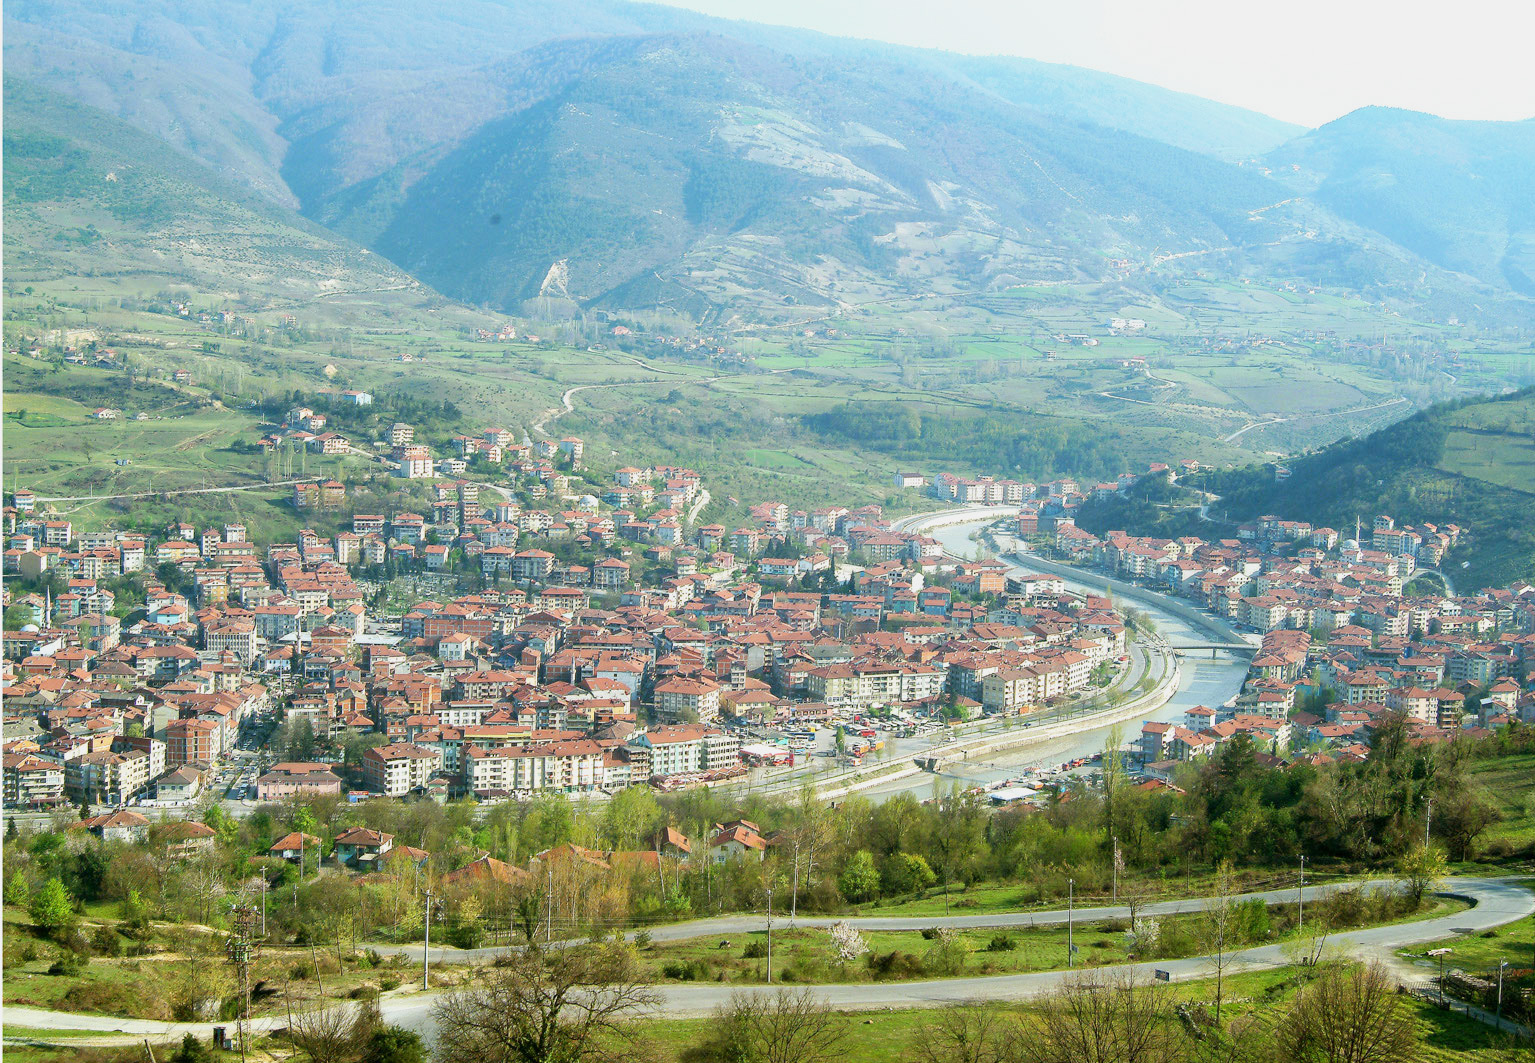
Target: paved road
1496,902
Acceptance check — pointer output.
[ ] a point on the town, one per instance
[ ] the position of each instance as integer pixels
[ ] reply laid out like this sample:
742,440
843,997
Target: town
583,644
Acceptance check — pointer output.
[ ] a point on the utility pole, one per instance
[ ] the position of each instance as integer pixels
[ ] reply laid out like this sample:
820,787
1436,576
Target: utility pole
426,951
1300,896
240,949
1428,821
1116,869
1071,896
549,898
770,935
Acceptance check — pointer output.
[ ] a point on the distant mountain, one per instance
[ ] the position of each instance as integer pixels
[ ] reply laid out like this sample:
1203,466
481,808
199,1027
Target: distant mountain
1073,93
722,172
638,155
89,195
1460,194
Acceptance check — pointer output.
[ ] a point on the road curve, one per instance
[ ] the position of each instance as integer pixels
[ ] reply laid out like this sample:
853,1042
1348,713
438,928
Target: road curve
1495,903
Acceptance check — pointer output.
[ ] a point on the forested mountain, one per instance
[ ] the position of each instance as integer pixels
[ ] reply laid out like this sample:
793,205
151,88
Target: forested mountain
1460,194
720,167
89,195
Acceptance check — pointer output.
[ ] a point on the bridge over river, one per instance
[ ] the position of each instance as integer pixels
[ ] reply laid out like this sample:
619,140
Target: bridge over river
1184,648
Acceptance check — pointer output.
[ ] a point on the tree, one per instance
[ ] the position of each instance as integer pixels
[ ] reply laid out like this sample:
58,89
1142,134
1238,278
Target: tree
1419,870
917,871
52,909
785,1027
134,914
947,953
973,1033
1461,819
860,878
193,1050
629,816
1104,1018
528,914
330,1033
1219,924
1350,1014
569,1006
847,942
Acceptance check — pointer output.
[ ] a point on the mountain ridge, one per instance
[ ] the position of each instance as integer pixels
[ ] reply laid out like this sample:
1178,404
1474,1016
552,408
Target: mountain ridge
871,169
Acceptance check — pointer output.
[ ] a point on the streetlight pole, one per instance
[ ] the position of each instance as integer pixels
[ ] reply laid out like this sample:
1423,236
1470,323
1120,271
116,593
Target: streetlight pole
1300,896
1071,896
1116,869
426,951
770,935
1428,821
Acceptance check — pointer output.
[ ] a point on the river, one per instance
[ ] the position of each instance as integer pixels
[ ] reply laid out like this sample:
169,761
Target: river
1204,681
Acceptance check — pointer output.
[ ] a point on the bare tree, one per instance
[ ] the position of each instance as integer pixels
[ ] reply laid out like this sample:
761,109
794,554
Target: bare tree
972,1033
1102,1018
197,981
784,1027
331,1032
567,1006
205,882
1307,947
1219,926
1350,1014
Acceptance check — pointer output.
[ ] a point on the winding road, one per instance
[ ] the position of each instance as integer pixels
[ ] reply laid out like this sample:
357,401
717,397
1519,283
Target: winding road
1496,902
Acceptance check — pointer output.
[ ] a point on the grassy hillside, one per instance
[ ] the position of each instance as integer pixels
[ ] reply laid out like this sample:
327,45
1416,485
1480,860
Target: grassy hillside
89,195
1466,462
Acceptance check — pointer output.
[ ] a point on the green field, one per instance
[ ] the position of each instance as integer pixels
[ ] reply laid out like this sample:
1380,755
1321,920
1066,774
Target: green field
891,1035
806,955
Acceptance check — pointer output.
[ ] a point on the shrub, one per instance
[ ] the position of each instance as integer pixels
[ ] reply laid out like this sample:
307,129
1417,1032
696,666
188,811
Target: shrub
1001,943
192,1050
371,958
948,952
106,941
755,950
69,964
388,982
929,933
686,970
895,965
466,935
642,939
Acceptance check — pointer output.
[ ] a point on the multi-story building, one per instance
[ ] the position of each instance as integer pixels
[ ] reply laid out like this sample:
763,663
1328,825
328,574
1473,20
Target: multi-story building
397,769
32,781
688,699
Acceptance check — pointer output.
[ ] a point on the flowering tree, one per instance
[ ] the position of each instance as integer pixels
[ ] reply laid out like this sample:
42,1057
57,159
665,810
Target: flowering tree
848,943
1145,932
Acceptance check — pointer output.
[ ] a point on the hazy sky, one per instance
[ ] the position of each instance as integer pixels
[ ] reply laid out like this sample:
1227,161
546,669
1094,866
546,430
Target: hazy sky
1305,61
